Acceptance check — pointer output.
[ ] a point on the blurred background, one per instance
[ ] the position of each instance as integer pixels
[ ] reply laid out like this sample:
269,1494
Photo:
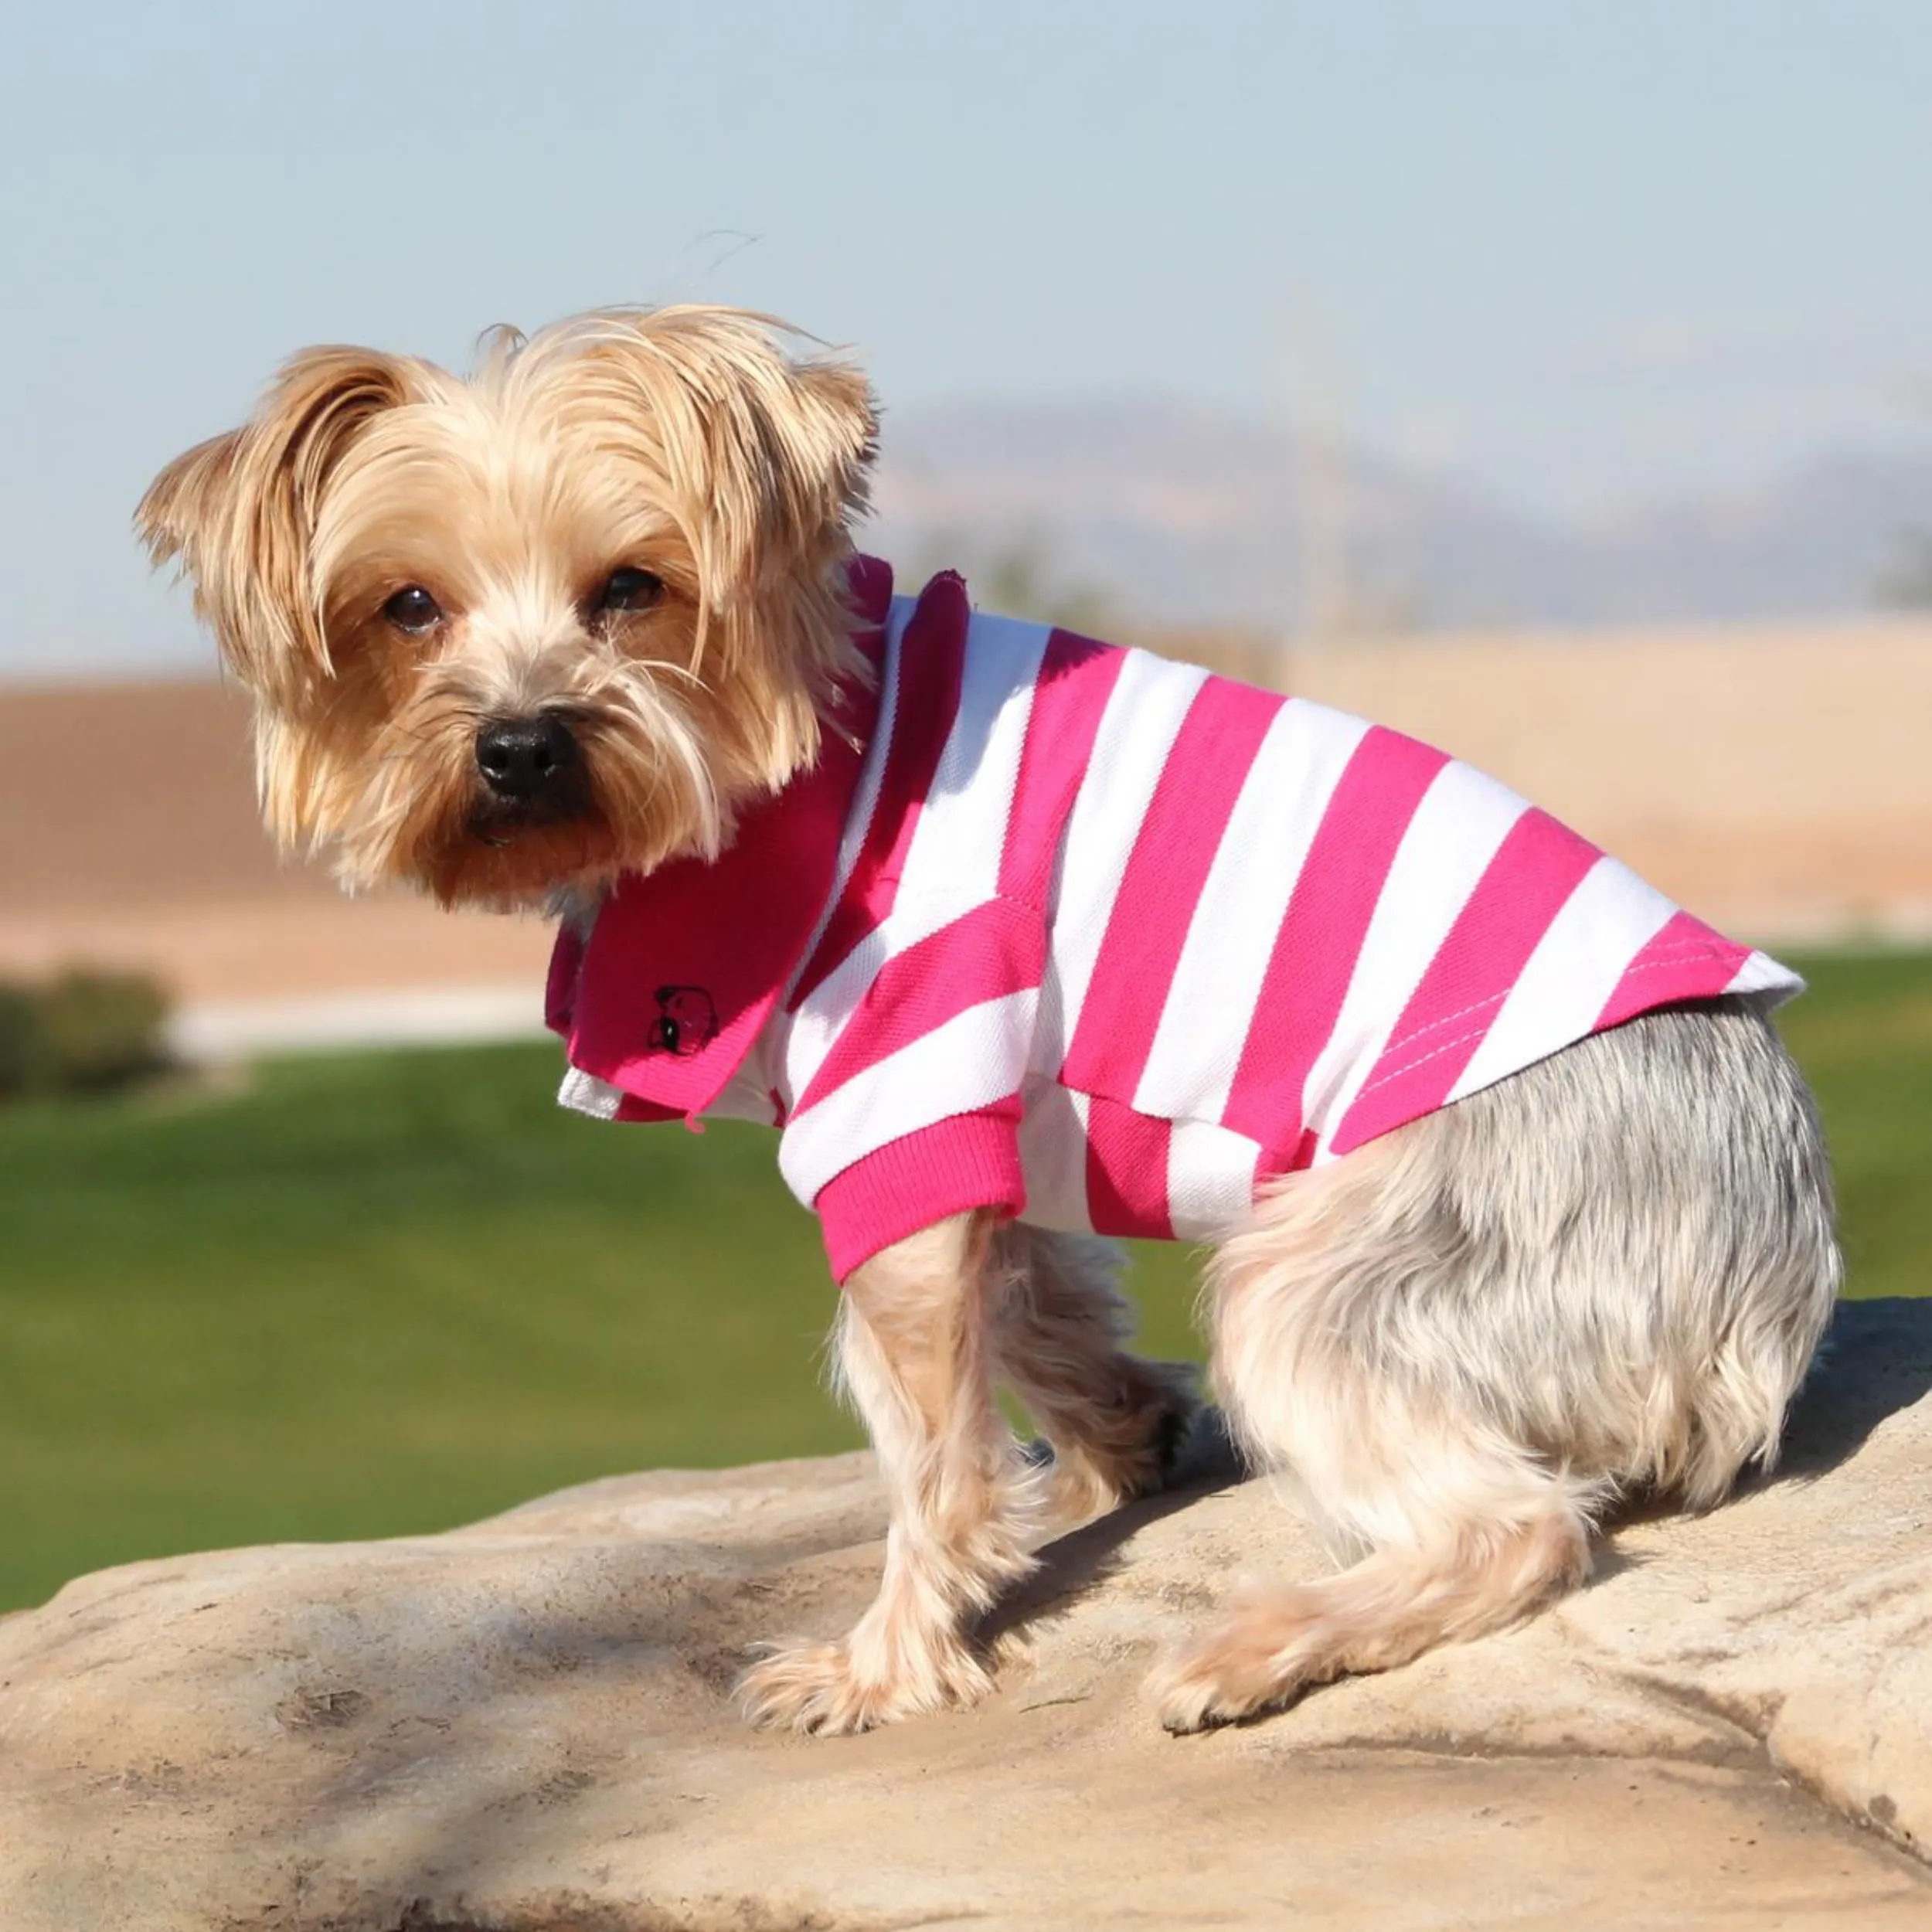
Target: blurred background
1555,384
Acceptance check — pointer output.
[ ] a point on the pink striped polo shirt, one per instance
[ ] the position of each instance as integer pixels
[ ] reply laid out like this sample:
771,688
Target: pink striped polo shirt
1099,939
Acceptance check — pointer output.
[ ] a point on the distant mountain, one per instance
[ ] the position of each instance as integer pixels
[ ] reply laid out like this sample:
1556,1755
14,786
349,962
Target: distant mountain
1167,515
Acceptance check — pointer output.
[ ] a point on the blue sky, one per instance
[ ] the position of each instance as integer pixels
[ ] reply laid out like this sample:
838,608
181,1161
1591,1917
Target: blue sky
1584,256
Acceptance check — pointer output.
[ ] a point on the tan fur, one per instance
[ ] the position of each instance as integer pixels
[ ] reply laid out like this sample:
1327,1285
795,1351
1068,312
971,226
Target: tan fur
916,1357
1276,1642
1061,1325
1459,1343
683,441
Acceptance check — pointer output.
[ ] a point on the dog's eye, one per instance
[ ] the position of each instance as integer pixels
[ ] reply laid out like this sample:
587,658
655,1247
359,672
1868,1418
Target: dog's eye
413,608
629,589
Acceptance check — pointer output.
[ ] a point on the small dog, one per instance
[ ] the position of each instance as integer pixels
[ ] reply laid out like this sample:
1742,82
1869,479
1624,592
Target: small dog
1023,941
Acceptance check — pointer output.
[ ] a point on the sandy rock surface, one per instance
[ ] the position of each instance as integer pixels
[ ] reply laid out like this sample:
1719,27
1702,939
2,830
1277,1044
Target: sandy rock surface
522,1726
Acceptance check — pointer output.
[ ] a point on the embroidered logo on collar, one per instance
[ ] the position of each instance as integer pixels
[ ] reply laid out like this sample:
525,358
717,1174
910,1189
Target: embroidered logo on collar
687,1022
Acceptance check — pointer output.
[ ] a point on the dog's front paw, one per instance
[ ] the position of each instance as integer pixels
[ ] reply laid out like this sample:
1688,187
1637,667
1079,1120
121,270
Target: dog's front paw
827,1691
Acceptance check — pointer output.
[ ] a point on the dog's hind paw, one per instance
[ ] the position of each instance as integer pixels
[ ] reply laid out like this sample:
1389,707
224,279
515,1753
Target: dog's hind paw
1229,1673
819,1689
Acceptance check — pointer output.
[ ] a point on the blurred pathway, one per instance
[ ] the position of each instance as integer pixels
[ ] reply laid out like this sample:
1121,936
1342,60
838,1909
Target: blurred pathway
214,1031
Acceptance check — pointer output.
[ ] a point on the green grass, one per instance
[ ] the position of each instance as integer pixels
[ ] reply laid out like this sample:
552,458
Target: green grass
380,1294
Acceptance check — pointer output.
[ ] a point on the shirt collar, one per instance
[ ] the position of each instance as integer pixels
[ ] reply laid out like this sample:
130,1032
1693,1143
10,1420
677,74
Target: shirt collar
683,965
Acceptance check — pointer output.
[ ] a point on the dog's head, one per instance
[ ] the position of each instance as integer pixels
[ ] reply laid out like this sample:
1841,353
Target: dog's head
509,635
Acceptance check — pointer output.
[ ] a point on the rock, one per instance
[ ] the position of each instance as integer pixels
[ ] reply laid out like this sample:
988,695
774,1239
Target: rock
522,1726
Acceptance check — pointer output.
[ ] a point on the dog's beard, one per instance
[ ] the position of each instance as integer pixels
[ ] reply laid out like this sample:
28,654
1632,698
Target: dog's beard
414,807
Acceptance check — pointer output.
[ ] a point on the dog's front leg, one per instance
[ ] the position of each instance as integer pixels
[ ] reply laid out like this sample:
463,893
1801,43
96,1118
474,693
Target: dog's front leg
915,1354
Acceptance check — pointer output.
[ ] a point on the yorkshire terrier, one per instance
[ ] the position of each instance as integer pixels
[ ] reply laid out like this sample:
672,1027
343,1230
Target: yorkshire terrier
1519,1205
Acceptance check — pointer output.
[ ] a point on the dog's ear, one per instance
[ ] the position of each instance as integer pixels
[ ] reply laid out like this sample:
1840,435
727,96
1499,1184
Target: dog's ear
828,437
770,455
239,512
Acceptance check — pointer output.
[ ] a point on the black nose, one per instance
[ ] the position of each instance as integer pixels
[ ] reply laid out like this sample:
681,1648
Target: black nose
522,759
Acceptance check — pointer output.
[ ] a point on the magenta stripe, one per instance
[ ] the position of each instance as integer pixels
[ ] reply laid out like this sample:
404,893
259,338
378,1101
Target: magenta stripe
1076,678
1534,872
1321,938
971,1161
1166,871
1685,960
631,1108
932,659
998,948
1126,1155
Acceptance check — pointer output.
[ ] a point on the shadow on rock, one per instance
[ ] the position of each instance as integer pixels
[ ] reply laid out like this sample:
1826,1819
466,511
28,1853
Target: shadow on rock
1875,1362
1075,1565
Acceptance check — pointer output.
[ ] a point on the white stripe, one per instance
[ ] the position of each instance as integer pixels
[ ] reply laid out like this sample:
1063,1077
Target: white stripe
872,771
1144,712
960,836
585,1094
1210,1179
1217,984
1462,818
746,1095
1052,1153
953,863
1762,973
1610,918
819,1022
971,1061
826,1012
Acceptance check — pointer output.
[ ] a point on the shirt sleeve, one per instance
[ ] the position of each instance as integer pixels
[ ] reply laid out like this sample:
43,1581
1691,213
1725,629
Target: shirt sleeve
913,1113
970,1161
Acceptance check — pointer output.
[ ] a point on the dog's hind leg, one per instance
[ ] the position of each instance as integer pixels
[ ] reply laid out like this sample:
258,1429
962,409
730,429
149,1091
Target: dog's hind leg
1115,1421
1463,1340
1502,1537
1464,1529
915,1356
